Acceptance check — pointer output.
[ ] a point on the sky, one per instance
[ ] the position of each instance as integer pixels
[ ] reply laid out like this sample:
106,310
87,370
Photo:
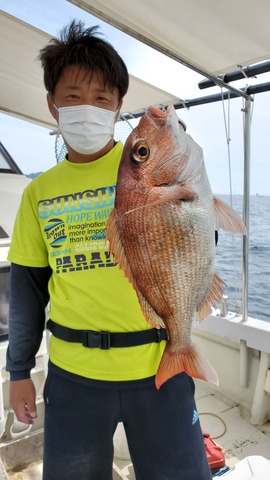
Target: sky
210,125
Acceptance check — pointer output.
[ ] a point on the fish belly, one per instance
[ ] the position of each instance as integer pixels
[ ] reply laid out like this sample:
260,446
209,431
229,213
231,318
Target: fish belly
171,254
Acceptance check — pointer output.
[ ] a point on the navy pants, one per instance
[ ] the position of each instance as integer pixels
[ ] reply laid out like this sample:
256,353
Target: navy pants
162,428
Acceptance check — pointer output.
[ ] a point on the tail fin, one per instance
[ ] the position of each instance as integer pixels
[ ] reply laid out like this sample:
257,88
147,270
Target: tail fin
190,361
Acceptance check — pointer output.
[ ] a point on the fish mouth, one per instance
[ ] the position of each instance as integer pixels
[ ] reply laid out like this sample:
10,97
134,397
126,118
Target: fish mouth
156,113
164,117
157,116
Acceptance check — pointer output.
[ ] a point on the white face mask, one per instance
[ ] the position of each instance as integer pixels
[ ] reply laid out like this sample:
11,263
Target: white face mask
87,129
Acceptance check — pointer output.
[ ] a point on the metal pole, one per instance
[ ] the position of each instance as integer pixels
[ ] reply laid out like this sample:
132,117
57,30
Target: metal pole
243,365
217,97
246,201
248,72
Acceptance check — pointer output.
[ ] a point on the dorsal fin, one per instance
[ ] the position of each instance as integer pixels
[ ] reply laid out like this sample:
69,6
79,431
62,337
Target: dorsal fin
117,249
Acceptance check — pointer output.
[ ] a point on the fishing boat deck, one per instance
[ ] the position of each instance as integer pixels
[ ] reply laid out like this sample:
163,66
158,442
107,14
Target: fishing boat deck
219,416
228,426
222,419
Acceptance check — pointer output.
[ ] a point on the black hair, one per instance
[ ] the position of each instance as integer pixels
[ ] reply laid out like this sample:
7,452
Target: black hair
82,46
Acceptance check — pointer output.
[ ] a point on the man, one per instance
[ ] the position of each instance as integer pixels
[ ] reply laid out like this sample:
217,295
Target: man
59,254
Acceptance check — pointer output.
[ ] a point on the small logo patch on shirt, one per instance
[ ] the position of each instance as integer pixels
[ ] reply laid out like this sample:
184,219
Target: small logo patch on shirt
195,417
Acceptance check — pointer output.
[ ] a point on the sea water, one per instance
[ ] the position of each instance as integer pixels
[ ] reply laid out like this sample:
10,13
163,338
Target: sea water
229,257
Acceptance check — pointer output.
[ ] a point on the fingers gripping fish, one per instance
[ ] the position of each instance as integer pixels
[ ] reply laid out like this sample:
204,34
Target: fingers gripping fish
161,233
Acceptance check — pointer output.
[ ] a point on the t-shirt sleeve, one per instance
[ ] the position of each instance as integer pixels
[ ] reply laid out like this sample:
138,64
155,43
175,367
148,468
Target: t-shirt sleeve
28,299
27,246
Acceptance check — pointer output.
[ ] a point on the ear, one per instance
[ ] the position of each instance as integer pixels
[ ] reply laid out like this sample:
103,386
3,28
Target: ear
117,113
52,107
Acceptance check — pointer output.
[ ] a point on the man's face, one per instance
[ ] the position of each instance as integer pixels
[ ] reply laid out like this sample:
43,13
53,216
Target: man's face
77,86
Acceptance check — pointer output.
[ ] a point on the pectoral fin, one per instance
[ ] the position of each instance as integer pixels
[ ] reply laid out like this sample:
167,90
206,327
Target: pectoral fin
227,218
177,194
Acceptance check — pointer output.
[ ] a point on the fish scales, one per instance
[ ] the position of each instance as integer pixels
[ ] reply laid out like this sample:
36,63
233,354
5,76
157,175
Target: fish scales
161,233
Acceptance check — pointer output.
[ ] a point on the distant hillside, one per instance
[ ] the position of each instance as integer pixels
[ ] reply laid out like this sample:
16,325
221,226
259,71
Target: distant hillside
33,175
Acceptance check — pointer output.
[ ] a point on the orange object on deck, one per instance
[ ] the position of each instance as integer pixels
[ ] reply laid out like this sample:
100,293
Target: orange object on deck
214,452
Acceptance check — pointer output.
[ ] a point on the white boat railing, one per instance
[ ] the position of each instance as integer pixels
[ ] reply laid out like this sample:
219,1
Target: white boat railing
249,334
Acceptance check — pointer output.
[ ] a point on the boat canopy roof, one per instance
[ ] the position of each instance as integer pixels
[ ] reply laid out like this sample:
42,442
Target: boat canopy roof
22,93
210,37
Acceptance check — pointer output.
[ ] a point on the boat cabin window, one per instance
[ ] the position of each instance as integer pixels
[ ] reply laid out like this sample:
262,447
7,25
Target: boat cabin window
3,233
7,164
3,163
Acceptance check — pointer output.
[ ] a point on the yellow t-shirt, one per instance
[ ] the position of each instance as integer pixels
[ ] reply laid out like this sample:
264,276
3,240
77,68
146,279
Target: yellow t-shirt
62,223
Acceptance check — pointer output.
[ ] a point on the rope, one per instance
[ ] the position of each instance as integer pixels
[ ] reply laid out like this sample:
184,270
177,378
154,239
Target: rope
227,126
222,421
227,133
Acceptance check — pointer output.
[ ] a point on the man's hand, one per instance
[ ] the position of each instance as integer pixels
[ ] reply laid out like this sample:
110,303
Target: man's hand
23,400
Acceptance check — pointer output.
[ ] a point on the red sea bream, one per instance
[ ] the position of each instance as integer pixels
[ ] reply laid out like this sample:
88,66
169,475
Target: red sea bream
162,234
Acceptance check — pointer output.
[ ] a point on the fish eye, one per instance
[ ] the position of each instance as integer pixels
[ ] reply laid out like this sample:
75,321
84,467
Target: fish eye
140,152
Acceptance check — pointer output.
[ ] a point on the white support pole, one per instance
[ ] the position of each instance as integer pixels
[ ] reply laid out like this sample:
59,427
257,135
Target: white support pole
246,202
260,410
243,364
